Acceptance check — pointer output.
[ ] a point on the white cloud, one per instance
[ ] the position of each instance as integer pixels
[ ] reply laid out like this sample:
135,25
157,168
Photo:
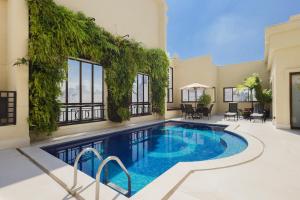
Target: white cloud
229,30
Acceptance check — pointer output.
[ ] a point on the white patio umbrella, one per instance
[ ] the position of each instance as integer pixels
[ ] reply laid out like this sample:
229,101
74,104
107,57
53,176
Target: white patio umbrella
194,86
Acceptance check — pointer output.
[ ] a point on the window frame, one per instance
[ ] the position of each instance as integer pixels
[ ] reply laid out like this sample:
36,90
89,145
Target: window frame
65,104
8,108
215,94
188,96
232,88
143,103
172,86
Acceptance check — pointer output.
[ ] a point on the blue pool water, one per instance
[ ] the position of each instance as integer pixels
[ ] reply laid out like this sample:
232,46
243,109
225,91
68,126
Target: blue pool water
150,151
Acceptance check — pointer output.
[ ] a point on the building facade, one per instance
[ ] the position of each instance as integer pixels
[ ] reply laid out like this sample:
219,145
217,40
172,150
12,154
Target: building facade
282,50
145,21
280,71
220,79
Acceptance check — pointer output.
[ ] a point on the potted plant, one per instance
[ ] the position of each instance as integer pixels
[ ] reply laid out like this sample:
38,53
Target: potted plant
264,96
253,83
205,100
266,100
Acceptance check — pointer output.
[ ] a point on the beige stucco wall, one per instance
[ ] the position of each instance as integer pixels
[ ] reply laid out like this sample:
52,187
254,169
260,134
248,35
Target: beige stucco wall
202,70
195,70
282,57
97,126
3,43
100,126
15,29
233,75
143,20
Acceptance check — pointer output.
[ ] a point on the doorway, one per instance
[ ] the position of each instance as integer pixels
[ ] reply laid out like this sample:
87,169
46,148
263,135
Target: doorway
295,100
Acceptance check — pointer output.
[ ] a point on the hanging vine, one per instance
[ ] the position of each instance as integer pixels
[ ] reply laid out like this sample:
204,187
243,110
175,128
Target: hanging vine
57,33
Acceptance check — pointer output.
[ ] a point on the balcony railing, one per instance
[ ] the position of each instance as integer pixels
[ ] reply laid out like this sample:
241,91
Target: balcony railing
140,109
81,113
8,108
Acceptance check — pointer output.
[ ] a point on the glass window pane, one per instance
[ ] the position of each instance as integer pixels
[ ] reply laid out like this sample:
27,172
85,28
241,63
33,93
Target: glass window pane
295,100
170,85
146,109
140,88
73,81
192,95
86,82
185,95
146,88
253,96
236,94
170,95
228,94
98,112
62,97
240,95
140,95
134,91
244,95
98,84
170,77
200,92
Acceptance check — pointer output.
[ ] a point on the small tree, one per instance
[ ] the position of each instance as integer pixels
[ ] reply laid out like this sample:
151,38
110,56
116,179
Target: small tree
205,100
253,83
266,97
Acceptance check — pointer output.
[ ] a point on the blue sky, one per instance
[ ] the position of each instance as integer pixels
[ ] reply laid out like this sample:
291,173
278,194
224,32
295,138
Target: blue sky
232,31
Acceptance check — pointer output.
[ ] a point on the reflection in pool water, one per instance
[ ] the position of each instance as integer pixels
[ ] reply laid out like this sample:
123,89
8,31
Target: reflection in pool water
150,151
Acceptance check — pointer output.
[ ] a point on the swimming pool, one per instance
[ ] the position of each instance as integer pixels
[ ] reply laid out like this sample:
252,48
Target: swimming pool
148,152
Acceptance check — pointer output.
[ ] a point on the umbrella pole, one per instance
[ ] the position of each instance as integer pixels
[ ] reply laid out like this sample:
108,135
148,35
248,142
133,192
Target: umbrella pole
195,98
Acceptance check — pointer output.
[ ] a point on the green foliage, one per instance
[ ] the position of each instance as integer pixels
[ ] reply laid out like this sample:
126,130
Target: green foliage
158,69
252,82
57,33
266,96
21,61
205,100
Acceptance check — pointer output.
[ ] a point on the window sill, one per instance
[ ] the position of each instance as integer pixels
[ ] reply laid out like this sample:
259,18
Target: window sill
79,122
141,115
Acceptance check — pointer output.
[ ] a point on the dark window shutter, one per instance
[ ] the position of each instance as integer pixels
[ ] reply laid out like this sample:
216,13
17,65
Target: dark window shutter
3,107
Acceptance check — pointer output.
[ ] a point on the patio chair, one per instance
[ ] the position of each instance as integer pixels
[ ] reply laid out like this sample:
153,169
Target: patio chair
246,113
182,108
258,113
207,111
232,111
189,111
199,111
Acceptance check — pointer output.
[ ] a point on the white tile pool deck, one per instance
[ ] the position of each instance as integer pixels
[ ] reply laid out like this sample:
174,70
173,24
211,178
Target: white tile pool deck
274,175
20,179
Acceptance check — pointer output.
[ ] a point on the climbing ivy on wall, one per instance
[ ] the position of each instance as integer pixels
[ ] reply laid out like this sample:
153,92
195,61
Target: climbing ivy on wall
56,33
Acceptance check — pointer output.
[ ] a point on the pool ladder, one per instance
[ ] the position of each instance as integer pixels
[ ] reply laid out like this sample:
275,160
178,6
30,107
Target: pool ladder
100,168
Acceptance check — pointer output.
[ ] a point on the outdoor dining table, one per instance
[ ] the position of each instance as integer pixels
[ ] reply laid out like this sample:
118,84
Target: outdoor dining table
198,112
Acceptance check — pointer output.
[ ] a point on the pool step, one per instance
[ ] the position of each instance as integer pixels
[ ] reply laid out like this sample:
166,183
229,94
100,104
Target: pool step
118,189
100,168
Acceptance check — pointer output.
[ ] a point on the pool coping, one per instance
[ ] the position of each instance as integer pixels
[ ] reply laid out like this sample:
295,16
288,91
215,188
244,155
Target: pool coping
167,183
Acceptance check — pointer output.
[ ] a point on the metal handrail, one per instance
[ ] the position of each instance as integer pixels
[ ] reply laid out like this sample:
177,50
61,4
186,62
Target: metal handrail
104,162
78,158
